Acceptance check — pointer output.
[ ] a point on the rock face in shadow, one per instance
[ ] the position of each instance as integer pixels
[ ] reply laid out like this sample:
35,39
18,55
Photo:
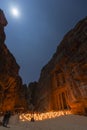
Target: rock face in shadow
63,81
32,88
10,81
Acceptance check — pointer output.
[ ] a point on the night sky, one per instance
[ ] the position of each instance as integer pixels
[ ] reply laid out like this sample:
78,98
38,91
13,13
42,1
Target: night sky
34,35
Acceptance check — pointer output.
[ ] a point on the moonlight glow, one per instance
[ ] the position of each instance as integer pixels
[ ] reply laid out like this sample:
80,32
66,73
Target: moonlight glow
15,12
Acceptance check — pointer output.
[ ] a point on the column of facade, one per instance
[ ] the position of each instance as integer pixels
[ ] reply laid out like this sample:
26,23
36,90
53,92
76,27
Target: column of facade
66,100
59,103
55,101
62,102
53,82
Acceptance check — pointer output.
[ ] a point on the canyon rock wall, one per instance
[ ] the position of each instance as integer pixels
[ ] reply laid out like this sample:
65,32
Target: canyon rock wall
10,81
63,81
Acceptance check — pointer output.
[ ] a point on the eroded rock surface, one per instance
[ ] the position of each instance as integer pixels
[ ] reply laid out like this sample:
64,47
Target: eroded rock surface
11,95
63,81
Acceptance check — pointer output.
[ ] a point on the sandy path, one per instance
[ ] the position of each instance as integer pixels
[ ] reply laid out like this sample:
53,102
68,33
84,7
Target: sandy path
70,122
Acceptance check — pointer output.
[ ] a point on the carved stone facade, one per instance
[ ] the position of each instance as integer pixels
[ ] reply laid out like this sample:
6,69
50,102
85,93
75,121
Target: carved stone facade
63,81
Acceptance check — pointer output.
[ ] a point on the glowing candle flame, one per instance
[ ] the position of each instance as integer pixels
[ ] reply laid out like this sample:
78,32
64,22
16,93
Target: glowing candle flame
43,116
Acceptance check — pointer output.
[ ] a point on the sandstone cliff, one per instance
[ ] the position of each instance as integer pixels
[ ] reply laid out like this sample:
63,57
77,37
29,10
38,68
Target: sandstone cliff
11,88
63,81
10,81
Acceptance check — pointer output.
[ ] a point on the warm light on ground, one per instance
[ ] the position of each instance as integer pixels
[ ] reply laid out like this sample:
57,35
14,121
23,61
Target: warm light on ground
42,116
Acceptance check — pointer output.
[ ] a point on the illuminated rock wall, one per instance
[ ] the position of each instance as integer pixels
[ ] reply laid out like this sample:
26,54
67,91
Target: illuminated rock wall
10,82
63,81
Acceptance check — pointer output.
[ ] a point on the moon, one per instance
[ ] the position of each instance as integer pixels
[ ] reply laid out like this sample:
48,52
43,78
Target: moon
15,12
